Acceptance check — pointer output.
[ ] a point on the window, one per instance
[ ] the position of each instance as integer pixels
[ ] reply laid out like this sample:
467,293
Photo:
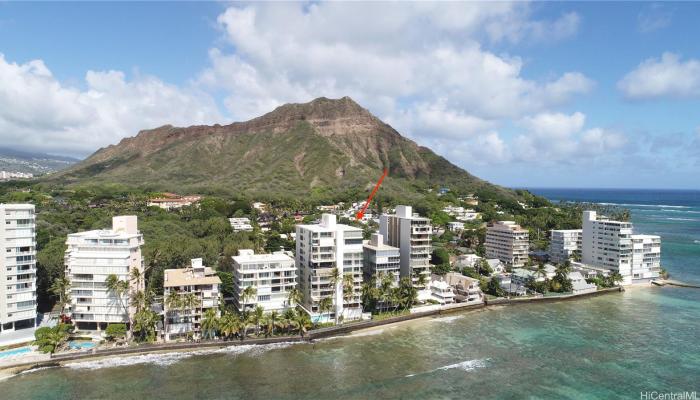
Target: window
264,298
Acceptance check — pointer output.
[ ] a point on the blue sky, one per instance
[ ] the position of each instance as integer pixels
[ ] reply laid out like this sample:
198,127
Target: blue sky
522,94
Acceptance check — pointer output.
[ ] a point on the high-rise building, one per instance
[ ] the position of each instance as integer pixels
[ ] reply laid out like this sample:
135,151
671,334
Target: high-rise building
380,259
272,275
508,242
91,257
411,234
18,269
188,293
320,249
564,244
612,245
646,257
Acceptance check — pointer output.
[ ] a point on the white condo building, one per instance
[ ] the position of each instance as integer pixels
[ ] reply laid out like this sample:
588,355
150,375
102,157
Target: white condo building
611,245
646,257
380,258
90,258
411,234
508,242
320,248
564,244
272,275
185,318
18,269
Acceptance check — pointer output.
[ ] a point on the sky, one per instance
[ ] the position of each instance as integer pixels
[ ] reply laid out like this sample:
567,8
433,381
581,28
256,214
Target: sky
522,94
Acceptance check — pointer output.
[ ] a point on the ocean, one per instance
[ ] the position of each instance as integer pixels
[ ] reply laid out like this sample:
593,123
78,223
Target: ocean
613,346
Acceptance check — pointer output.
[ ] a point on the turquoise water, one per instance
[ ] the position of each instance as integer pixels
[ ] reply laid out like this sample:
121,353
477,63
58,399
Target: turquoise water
14,352
81,344
612,346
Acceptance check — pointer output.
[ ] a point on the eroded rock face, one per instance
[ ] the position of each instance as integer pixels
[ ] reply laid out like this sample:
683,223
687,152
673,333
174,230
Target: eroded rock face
325,142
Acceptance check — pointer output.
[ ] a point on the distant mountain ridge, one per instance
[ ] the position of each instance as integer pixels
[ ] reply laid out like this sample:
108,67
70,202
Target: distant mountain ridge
322,147
13,160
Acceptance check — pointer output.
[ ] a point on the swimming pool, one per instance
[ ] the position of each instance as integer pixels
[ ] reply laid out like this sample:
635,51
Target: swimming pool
81,345
14,352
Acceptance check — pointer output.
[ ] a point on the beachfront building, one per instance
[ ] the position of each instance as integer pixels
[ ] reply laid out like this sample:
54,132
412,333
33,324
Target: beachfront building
466,289
508,242
272,276
646,257
322,249
579,284
441,292
411,234
612,245
565,244
18,267
241,224
187,294
91,257
380,259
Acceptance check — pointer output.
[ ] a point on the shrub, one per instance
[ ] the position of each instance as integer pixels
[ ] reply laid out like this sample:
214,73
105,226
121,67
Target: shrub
115,331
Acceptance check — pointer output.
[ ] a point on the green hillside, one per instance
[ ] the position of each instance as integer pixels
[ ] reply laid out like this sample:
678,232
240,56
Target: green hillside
325,148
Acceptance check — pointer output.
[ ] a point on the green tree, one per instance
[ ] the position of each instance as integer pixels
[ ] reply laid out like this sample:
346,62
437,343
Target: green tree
61,288
302,322
210,323
115,331
50,339
119,288
294,297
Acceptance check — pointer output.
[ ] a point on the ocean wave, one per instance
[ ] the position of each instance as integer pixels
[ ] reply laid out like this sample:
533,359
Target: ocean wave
681,211
468,365
696,241
448,320
682,219
166,359
642,205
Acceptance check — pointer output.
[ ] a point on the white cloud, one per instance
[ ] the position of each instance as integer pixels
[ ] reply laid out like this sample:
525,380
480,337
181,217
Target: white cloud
38,112
667,77
556,137
654,17
383,53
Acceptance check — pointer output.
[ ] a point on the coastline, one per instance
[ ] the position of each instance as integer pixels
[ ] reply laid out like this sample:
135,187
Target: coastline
367,327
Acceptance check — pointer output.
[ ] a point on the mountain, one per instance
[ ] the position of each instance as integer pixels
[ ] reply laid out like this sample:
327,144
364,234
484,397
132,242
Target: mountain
12,160
324,147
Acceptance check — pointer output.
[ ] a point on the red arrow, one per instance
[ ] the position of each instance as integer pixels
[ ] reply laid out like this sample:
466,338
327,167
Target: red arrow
369,199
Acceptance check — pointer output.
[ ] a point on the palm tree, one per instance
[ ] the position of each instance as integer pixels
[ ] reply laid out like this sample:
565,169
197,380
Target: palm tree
421,279
334,279
288,317
295,296
248,293
210,323
136,276
348,290
118,288
273,318
302,322
61,288
325,305
615,278
145,322
229,324
257,317
541,271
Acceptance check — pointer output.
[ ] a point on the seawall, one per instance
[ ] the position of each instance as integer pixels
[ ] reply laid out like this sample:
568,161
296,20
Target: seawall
61,359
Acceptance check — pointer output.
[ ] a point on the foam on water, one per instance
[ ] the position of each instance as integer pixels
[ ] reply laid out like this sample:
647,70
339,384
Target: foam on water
468,365
448,320
166,359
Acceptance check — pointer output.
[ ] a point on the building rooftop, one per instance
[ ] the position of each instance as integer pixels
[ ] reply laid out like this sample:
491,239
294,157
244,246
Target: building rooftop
247,255
188,276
